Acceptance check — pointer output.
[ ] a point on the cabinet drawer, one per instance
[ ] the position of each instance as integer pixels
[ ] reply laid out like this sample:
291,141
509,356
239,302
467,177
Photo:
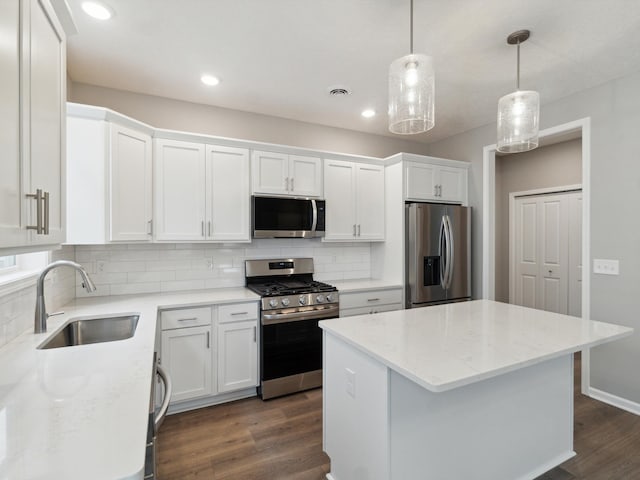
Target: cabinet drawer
350,312
368,299
238,312
185,317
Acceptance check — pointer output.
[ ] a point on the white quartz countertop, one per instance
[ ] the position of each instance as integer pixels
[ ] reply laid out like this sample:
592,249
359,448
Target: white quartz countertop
448,346
361,285
81,412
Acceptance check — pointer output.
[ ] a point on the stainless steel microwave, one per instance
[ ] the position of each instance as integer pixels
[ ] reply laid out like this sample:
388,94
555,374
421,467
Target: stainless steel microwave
281,217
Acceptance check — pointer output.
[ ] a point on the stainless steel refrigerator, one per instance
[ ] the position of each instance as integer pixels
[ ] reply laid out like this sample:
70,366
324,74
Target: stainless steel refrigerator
438,254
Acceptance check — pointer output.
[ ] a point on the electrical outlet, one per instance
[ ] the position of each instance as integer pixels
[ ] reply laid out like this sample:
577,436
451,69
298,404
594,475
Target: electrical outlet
606,267
101,266
351,382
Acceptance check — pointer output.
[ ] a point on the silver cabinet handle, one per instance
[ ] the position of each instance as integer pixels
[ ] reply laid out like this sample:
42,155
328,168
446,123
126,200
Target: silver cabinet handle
150,227
202,228
435,190
168,390
239,313
292,179
46,214
373,300
190,319
358,229
255,334
286,183
354,229
209,227
39,198
208,339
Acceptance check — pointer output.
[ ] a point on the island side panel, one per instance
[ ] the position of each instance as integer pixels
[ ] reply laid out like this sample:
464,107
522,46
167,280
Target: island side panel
512,427
355,412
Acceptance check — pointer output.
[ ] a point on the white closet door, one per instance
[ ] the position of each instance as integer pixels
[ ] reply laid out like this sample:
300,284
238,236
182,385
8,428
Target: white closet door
547,251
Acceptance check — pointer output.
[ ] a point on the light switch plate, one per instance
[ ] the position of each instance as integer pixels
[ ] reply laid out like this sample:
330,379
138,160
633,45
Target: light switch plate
606,267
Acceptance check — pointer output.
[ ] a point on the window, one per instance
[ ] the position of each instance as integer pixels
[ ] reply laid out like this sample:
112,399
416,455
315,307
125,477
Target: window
17,269
7,264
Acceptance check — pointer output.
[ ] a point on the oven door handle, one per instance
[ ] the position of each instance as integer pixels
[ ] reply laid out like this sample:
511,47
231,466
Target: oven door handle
274,318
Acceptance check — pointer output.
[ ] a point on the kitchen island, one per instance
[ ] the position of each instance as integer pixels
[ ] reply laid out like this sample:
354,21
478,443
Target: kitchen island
480,390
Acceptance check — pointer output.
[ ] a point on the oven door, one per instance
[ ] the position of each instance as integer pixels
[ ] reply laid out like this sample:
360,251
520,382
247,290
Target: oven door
287,217
290,350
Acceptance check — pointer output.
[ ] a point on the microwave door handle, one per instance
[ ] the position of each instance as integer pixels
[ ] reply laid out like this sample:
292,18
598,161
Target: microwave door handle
314,218
442,249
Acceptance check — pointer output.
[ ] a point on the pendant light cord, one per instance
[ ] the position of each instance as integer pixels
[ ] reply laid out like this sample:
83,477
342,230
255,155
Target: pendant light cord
517,68
411,29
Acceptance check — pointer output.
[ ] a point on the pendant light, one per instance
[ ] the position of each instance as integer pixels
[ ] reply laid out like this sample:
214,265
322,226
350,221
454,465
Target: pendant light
518,112
411,91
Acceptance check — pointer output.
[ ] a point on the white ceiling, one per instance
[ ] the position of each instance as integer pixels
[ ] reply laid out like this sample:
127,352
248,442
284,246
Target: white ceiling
279,57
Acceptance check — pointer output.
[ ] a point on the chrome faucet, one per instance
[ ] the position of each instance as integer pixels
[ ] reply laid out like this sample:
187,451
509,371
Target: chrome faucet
41,311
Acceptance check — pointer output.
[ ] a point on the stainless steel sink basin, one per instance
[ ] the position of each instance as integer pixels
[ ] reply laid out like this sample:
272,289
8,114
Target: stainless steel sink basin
86,330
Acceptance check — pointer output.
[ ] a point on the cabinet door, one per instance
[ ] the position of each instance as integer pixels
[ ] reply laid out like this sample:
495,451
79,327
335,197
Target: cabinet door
179,169
130,182
228,206
452,184
270,172
12,232
237,356
370,202
186,353
339,192
420,181
305,176
47,113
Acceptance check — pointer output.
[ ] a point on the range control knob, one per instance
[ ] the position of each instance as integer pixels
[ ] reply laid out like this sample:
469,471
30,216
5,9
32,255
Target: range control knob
330,297
285,302
302,299
273,303
320,298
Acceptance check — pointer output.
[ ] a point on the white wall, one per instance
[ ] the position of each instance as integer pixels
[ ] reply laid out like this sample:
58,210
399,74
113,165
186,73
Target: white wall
179,115
614,109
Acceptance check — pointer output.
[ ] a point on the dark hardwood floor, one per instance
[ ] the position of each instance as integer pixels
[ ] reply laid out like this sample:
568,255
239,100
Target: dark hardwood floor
282,440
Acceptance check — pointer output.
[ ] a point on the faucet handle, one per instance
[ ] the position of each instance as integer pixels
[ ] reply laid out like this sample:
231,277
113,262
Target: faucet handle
54,314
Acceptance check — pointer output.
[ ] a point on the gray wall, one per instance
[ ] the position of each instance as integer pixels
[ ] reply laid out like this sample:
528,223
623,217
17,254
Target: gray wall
178,115
551,166
614,109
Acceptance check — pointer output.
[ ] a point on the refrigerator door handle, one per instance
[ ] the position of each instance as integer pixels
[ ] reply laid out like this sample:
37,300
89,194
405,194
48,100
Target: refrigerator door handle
450,252
442,249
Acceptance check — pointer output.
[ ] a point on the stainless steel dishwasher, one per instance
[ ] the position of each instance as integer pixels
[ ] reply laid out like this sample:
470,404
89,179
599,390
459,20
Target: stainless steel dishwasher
156,417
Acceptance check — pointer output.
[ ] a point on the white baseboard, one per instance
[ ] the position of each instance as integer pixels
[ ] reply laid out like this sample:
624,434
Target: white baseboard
329,477
614,400
185,406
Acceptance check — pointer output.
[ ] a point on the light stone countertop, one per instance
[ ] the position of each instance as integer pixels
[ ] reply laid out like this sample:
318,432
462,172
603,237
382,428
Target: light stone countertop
448,346
81,412
362,285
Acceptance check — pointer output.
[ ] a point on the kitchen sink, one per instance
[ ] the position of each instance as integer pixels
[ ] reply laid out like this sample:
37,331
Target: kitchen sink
87,330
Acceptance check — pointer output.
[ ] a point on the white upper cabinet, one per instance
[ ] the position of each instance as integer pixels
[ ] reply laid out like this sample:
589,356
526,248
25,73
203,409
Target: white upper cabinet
109,180
228,207
201,192
130,182
437,182
282,174
179,170
355,201
33,94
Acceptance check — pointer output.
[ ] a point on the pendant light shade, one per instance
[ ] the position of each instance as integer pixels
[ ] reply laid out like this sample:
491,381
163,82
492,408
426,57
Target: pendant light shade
518,112
411,92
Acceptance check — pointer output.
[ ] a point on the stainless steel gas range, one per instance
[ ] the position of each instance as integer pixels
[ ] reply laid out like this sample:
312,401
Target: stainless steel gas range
290,339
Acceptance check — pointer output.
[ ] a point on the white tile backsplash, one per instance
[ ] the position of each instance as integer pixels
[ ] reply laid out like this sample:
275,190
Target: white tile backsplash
167,267
17,308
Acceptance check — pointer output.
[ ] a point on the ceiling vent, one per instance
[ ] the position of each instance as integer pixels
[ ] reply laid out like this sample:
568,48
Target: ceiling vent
338,91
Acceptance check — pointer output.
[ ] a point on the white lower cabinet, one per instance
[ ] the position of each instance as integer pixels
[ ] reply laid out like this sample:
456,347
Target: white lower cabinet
237,355
210,351
372,301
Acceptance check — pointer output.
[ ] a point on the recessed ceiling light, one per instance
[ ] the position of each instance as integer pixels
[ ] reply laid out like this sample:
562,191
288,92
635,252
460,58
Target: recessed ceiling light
210,80
97,10
368,113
